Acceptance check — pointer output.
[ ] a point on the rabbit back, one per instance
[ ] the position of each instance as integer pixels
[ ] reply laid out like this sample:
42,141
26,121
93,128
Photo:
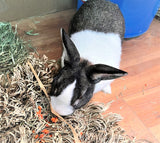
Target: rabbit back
98,15
98,47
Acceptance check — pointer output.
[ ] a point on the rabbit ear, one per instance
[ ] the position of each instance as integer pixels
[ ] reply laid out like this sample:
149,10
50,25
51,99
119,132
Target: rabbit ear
98,72
70,52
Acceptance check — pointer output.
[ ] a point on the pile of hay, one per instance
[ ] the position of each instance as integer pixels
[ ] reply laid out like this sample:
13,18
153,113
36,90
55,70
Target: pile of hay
12,48
22,101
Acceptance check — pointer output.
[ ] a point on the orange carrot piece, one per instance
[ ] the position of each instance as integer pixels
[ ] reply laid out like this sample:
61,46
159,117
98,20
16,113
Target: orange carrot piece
54,120
81,133
33,131
41,136
47,125
39,112
39,107
36,136
45,131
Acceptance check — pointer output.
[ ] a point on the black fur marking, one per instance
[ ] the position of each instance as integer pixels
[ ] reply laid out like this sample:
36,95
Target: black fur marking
98,72
61,80
83,100
83,89
71,50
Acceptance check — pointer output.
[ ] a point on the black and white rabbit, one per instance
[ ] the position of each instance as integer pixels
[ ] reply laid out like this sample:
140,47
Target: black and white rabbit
91,56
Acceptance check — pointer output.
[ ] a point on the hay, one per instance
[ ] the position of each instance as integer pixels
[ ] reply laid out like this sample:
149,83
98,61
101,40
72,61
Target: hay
12,48
21,99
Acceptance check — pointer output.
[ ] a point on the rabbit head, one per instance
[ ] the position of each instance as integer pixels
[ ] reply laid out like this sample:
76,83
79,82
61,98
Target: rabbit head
74,84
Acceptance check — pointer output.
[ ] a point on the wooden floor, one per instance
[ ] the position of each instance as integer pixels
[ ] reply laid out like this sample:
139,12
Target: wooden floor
136,96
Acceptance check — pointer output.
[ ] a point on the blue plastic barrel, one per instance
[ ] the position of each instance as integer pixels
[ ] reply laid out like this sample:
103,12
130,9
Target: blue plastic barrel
138,14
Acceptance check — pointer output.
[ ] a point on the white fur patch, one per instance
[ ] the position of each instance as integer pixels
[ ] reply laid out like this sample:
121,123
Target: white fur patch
61,103
104,85
99,48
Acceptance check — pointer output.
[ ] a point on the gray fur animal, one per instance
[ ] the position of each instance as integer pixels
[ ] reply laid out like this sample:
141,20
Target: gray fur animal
91,56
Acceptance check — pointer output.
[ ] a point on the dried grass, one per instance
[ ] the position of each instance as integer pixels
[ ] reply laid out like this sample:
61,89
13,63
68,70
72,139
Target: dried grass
21,96
13,49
